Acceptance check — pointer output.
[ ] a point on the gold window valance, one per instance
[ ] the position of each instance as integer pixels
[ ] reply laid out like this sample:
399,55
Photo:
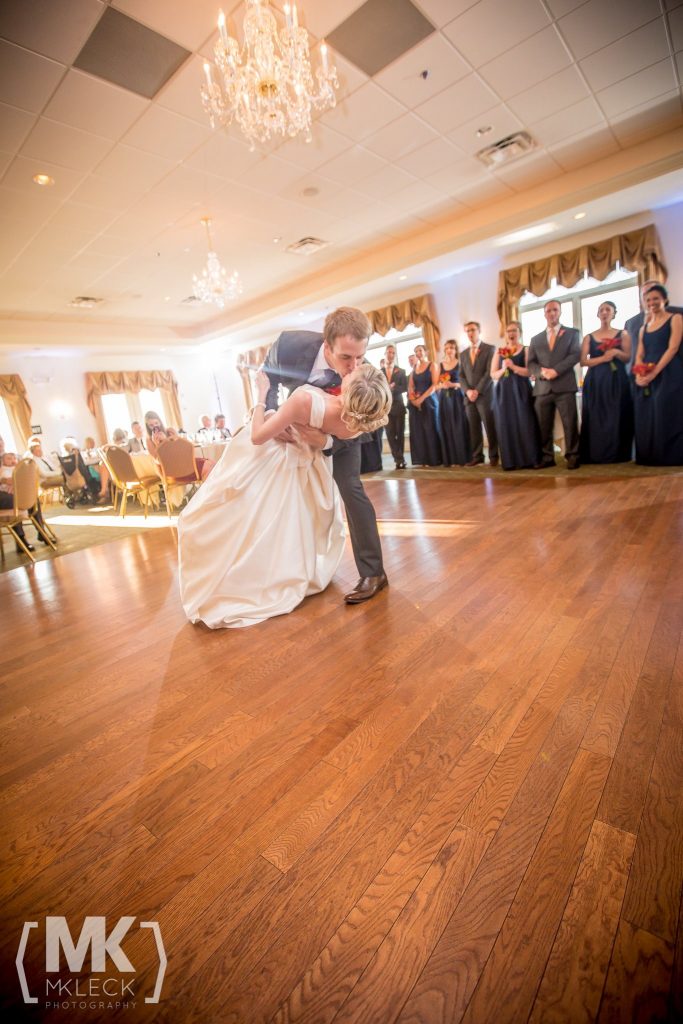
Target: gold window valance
13,393
418,311
133,381
635,250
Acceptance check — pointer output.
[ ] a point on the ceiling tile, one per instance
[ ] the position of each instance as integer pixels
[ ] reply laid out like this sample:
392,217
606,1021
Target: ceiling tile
15,125
558,8
457,104
559,91
637,89
645,121
440,12
321,16
26,80
452,179
271,174
324,145
493,26
365,111
400,137
188,24
63,145
600,22
126,162
638,50
167,134
501,122
486,190
20,175
403,79
116,195
352,166
578,118
349,76
53,28
27,210
224,156
526,64
5,161
385,182
434,156
676,25
379,32
82,101
182,95
585,148
531,170
186,186
81,218
416,196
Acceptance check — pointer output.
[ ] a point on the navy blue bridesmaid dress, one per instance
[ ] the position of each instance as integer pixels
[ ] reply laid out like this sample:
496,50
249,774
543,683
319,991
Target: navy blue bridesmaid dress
659,414
425,447
516,423
606,411
454,431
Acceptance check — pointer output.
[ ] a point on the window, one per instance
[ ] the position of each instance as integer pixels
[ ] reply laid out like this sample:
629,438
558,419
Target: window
579,305
116,413
403,341
150,401
6,432
122,410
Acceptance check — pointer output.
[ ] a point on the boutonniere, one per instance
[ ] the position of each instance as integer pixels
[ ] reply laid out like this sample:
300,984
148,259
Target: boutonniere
560,332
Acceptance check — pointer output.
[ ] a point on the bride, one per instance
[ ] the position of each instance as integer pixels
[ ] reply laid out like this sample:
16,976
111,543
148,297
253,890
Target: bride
265,530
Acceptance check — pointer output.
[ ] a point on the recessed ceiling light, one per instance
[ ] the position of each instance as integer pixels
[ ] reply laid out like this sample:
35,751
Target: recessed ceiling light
186,249
310,191
521,236
278,238
43,179
167,298
403,277
579,216
484,130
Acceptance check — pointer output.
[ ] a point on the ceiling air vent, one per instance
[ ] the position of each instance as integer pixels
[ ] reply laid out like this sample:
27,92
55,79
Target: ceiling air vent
191,300
85,302
306,246
507,149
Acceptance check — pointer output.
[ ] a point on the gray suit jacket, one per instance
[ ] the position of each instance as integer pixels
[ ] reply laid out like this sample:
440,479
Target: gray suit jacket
477,376
563,358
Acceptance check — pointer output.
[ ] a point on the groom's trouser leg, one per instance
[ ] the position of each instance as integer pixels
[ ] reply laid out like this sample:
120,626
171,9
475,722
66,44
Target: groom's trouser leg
360,514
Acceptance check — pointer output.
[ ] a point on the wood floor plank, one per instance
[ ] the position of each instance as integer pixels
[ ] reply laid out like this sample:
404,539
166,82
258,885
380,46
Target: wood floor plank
638,979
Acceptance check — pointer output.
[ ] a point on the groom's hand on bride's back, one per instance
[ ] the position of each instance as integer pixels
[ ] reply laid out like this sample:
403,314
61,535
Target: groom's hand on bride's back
312,436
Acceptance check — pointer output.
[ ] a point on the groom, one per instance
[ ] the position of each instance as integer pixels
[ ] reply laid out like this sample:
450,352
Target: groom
306,357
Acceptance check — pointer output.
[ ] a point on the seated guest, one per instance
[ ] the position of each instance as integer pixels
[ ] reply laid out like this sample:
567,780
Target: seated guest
606,401
8,461
50,474
513,406
453,429
221,432
96,468
658,399
157,433
475,379
119,437
553,354
423,411
71,461
205,433
136,443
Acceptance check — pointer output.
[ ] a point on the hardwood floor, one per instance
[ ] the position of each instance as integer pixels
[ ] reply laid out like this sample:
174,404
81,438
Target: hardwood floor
460,802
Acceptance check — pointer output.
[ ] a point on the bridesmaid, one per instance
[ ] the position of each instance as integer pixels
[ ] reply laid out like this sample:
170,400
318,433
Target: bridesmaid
425,447
658,403
513,404
606,405
454,432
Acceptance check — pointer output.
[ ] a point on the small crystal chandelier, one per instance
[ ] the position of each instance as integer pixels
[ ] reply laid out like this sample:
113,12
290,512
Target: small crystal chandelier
215,284
268,85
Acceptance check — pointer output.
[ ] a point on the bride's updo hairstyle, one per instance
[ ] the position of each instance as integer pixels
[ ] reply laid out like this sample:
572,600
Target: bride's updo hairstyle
366,400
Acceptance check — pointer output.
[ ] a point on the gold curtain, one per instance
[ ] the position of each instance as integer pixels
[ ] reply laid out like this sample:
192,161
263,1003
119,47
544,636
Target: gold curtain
246,363
133,381
636,250
13,393
418,311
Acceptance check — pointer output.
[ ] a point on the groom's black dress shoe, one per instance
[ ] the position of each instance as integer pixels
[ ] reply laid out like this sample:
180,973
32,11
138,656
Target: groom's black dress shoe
366,588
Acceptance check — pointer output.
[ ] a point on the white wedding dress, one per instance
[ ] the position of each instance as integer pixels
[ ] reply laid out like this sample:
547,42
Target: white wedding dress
262,533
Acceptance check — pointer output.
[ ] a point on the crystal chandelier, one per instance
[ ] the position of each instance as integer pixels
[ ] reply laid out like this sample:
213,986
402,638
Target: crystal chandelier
268,85
215,284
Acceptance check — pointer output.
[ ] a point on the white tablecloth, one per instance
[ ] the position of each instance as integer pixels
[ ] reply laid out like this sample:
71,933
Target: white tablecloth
211,451
144,464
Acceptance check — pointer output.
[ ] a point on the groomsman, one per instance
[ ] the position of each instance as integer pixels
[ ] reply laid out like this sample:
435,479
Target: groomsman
553,354
396,427
475,378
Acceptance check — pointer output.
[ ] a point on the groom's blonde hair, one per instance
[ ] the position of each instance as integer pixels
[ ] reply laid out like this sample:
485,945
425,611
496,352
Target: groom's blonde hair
366,400
346,320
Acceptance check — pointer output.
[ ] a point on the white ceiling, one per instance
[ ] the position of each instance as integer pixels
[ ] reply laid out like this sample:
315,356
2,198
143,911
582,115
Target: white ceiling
133,177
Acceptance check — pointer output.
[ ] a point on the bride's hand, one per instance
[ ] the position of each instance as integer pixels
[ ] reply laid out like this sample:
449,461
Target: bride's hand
262,385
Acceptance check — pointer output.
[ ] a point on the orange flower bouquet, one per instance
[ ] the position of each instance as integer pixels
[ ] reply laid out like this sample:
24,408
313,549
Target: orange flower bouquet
642,370
506,353
606,345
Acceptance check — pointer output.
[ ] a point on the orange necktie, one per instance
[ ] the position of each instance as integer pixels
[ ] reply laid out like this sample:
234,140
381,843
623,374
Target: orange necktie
552,338
473,355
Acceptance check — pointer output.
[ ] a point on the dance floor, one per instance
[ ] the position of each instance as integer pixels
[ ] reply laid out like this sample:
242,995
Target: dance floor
462,801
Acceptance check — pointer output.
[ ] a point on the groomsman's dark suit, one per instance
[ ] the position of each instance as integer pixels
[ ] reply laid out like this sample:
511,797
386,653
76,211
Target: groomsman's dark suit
633,325
396,427
289,362
559,393
477,376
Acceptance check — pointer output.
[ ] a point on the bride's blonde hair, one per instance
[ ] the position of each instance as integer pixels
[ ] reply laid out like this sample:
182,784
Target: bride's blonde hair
366,401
